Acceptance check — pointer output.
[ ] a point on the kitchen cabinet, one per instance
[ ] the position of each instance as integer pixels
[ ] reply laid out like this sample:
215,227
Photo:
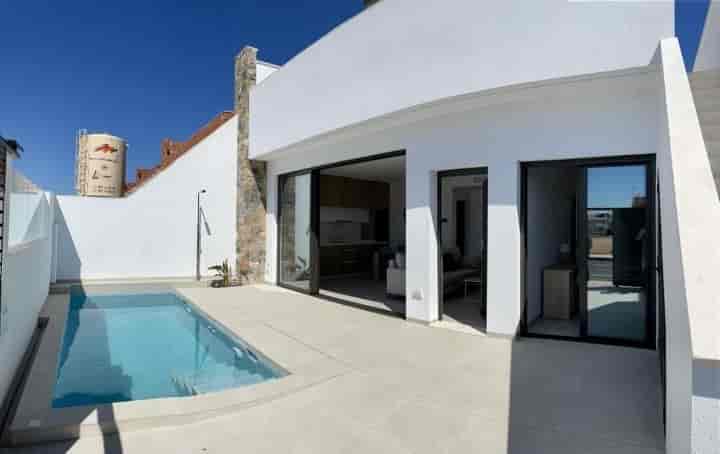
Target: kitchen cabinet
346,259
353,193
378,195
332,189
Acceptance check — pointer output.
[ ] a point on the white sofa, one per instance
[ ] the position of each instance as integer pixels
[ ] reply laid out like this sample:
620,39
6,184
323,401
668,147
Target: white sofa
395,281
452,280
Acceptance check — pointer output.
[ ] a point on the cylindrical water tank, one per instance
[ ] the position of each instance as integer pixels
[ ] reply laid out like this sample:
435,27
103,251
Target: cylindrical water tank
101,165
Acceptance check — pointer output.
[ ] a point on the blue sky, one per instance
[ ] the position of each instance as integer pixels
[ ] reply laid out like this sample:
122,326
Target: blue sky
142,70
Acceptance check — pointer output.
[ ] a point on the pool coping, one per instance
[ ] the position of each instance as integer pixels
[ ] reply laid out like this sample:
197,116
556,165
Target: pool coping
36,421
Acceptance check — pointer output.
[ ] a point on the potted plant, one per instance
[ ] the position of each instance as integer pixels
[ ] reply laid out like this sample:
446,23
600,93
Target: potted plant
223,274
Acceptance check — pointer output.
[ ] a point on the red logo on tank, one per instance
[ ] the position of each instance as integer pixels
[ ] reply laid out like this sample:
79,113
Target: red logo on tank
105,148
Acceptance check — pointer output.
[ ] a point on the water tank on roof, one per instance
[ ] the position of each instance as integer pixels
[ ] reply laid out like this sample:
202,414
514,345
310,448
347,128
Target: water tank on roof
100,169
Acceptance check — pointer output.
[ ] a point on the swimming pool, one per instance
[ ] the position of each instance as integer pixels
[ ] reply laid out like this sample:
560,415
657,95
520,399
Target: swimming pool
131,347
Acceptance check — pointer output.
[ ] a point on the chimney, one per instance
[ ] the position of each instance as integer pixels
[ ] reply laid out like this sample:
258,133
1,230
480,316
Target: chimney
250,214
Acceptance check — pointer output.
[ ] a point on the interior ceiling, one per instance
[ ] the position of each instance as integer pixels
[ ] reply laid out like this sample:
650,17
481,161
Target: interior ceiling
387,169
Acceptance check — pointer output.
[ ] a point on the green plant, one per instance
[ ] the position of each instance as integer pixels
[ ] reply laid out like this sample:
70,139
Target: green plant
223,274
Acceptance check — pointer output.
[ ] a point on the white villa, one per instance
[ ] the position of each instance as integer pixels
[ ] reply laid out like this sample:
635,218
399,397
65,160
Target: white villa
519,169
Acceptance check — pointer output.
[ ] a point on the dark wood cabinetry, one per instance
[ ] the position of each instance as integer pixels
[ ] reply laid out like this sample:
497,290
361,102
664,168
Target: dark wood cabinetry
352,193
378,195
346,259
332,190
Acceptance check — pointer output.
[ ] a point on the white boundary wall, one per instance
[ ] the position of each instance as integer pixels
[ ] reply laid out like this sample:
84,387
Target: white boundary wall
708,55
151,233
26,274
691,258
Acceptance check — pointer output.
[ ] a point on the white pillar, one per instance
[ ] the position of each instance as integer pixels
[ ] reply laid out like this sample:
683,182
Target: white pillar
421,245
504,249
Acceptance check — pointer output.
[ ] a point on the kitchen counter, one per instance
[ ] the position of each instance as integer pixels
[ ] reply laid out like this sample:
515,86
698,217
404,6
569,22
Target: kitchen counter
349,257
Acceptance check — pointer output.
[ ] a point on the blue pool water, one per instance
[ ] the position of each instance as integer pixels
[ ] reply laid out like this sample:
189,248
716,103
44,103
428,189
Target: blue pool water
131,347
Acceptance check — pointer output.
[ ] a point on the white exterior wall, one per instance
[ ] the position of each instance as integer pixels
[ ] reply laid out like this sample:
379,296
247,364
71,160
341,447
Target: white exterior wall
26,278
691,258
152,232
263,71
595,117
403,53
708,55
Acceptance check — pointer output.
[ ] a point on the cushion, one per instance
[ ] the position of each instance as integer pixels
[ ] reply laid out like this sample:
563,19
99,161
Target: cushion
400,260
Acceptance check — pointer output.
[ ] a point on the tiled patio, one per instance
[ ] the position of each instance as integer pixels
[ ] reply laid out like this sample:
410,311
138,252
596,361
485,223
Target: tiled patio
408,388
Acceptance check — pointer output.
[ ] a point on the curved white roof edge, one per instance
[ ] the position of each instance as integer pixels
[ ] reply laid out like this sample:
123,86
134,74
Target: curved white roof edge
459,103
399,54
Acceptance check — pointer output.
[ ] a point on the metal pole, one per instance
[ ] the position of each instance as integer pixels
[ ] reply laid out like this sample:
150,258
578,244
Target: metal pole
198,238
197,241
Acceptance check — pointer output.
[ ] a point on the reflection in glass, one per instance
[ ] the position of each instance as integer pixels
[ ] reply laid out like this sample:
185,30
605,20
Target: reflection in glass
617,236
295,231
616,187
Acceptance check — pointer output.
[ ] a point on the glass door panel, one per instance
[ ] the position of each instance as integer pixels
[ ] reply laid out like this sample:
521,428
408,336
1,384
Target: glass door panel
295,232
616,274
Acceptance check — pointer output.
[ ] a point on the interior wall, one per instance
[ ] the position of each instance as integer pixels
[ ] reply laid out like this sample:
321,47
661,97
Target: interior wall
397,213
468,188
550,195
152,232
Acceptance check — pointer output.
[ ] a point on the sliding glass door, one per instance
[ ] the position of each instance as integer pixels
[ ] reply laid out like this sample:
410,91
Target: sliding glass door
297,237
615,253
462,240
589,250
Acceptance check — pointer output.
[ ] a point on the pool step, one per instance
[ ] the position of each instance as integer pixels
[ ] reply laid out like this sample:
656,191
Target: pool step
184,385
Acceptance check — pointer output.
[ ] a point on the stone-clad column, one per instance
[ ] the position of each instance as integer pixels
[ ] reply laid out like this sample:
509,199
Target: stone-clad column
251,187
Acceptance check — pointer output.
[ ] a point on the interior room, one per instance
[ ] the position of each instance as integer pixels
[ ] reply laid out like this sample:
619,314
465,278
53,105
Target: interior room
463,220
552,299
588,250
362,234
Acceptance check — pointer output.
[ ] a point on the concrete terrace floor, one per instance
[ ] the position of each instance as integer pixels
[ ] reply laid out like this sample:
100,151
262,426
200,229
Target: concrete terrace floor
409,388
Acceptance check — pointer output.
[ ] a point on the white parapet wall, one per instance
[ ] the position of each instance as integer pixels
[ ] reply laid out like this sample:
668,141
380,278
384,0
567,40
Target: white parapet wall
26,272
404,53
708,54
152,232
690,217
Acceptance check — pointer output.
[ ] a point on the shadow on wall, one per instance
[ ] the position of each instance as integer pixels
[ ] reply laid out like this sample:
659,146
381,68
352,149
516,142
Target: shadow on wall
27,221
69,265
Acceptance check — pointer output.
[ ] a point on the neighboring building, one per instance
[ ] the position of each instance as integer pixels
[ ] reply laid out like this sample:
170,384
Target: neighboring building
21,183
100,165
171,150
